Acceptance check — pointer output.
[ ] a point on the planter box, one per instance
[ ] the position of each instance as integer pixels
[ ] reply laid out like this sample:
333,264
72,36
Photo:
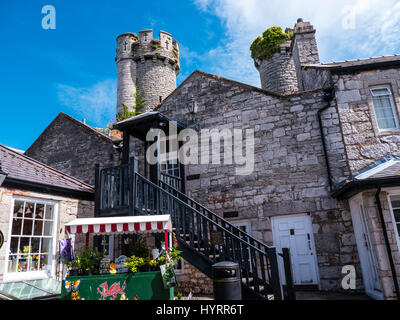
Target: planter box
123,286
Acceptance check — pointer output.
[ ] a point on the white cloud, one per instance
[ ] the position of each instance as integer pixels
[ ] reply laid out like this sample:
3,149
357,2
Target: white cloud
96,103
375,32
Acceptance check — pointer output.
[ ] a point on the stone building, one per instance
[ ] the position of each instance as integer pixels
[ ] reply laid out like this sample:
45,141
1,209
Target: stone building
35,203
325,176
74,147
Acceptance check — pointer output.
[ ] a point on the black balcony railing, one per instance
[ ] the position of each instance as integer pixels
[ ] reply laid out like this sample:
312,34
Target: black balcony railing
205,236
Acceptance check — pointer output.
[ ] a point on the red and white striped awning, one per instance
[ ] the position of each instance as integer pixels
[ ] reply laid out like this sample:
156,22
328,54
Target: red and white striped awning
115,225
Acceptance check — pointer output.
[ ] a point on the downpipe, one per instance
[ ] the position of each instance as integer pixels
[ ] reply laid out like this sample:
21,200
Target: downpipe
328,97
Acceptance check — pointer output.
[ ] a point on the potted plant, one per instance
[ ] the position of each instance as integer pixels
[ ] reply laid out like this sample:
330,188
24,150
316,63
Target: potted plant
174,254
73,267
135,263
89,261
153,265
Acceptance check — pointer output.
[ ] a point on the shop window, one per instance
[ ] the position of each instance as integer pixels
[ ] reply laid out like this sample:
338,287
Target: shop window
32,236
105,244
384,107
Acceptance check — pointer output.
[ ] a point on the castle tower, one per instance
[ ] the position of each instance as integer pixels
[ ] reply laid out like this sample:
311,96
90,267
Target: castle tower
126,76
305,50
277,72
151,64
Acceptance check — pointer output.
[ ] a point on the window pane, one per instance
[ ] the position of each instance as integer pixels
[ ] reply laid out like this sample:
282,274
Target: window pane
382,91
29,208
16,227
395,203
46,245
384,110
27,227
48,228
49,213
39,213
396,213
38,228
18,209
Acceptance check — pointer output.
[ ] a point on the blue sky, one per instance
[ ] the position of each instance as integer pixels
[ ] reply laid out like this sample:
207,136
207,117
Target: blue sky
72,68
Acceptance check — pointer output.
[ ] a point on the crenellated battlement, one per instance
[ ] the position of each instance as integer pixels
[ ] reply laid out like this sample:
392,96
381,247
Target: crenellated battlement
146,47
148,64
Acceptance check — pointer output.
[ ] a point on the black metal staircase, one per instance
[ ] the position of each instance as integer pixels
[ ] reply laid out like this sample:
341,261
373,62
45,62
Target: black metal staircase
204,237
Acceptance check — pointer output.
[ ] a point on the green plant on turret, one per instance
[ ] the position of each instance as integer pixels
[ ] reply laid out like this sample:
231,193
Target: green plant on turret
140,103
155,44
270,42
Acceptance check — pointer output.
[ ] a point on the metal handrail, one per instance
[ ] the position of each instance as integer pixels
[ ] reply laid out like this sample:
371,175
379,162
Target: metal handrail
269,269
219,218
210,236
202,215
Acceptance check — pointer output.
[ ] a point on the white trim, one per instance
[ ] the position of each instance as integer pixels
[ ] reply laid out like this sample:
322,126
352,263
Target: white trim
33,275
388,195
314,250
376,169
393,105
355,204
96,222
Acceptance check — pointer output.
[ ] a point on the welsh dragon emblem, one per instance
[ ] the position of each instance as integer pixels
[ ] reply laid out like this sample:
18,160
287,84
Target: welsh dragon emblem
112,292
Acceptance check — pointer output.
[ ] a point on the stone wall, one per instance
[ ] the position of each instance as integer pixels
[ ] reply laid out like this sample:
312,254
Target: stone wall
156,80
364,142
74,150
68,210
277,73
290,175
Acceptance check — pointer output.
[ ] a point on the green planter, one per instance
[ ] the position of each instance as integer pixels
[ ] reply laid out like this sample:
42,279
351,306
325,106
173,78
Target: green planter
144,285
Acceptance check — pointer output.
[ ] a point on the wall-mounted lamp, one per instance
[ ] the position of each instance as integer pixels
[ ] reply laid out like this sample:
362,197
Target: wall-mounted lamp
3,175
193,108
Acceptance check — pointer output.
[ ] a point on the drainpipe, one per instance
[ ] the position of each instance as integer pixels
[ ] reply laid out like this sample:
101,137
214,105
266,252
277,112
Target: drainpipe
328,97
385,235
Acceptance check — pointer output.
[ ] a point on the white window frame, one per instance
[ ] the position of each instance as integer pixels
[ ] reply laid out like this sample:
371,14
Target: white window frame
392,103
389,194
40,274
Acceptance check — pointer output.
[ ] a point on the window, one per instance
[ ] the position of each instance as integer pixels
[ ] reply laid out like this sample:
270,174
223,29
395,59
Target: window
32,236
105,244
395,202
384,107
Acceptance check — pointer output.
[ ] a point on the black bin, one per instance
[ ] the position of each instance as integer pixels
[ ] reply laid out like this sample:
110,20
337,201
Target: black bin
227,281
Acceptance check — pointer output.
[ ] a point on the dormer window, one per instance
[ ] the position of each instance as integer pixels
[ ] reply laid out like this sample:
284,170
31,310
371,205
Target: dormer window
384,107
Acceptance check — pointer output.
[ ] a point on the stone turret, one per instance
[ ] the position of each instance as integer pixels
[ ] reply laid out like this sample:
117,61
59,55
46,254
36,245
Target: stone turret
152,64
126,75
277,72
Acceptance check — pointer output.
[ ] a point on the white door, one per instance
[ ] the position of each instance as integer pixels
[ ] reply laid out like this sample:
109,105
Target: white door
295,232
365,249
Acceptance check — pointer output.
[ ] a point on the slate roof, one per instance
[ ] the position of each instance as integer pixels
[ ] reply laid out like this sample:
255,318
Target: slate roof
348,65
383,172
99,133
23,168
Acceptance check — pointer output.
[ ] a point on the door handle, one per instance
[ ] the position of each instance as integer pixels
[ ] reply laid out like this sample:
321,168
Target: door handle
309,241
